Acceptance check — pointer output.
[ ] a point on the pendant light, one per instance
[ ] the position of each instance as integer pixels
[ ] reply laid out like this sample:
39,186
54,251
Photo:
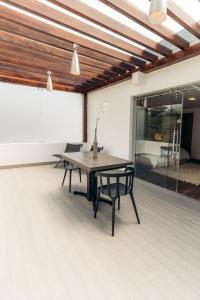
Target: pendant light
49,82
158,11
75,67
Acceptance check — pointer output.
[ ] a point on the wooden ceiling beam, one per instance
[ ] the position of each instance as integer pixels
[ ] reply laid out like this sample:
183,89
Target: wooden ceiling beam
99,80
49,62
118,71
68,79
180,16
140,63
68,21
43,48
32,73
108,73
163,62
85,85
127,66
192,51
101,19
40,26
90,82
38,70
104,77
36,83
95,16
109,82
28,42
44,38
35,77
135,14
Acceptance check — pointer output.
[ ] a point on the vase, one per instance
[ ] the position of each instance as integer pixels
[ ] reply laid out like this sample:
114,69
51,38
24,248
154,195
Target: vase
95,145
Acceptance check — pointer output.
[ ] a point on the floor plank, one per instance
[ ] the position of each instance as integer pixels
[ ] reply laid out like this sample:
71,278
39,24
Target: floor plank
52,248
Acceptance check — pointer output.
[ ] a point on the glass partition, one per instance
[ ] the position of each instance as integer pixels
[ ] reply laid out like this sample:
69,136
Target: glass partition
157,138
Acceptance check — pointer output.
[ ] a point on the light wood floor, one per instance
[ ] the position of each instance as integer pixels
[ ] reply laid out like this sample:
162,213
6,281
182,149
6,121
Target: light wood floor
51,248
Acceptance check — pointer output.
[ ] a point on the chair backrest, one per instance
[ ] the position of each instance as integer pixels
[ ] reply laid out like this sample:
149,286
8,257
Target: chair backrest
73,147
99,149
117,177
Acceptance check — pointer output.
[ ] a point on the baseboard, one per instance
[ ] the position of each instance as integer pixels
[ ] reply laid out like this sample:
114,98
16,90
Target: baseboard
28,165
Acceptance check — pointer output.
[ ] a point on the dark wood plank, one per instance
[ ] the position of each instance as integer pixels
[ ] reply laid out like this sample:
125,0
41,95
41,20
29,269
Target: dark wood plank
45,39
133,34
40,26
36,83
176,57
22,69
105,77
86,161
184,19
132,12
87,29
85,118
17,72
27,43
45,61
95,16
60,53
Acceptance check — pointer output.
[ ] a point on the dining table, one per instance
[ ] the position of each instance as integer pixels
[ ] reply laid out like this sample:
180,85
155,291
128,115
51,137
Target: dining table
86,161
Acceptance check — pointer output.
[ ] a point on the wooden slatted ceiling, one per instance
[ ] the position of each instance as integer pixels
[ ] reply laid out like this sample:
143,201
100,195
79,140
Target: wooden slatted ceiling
179,15
140,17
53,15
109,52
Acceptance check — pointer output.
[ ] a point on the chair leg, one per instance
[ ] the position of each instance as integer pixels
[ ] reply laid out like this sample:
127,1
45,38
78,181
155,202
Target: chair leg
70,181
113,216
135,208
79,174
64,177
58,163
119,203
96,206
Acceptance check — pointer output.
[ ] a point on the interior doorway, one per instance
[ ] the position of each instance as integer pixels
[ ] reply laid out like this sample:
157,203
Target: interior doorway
186,132
189,172
167,139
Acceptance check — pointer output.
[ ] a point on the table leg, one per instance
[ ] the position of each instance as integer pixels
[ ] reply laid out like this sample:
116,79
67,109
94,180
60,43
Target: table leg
91,194
91,188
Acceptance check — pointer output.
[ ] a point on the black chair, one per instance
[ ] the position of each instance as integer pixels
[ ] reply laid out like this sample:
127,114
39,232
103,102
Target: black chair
69,148
60,159
70,167
117,189
99,149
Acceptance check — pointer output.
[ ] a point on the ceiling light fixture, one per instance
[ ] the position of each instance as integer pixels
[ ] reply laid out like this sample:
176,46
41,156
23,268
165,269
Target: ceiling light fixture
158,11
75,67
192,98
49,82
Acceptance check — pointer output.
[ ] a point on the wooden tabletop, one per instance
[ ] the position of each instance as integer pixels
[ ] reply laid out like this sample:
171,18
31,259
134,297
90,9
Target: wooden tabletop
85,161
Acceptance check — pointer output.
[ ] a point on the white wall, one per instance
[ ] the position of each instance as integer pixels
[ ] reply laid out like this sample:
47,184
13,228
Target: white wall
114,129
34,124
24,153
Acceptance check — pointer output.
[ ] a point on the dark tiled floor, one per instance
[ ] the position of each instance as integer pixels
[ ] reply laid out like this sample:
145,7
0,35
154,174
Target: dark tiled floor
189,189
185,188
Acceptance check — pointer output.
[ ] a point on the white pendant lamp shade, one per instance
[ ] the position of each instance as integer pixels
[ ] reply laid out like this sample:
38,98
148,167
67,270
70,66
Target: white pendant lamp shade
49,82
158,11
75,67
